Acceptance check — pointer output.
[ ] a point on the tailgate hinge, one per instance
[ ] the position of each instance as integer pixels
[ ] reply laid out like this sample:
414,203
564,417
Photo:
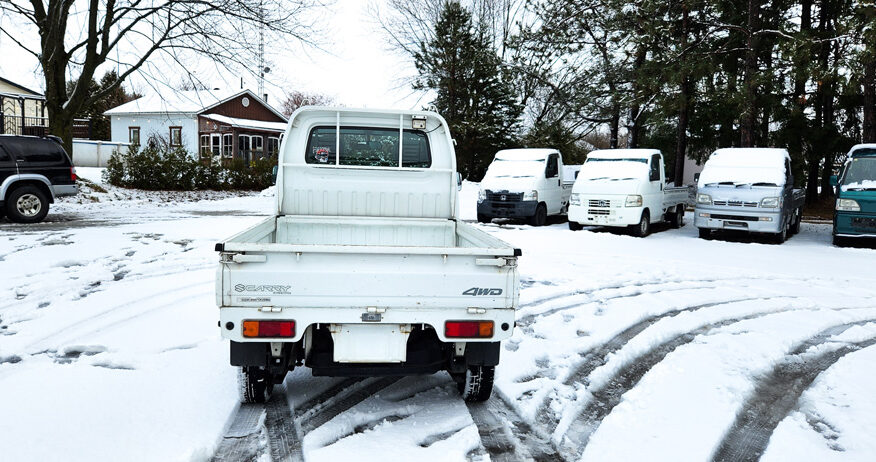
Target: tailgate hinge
233,257
501,261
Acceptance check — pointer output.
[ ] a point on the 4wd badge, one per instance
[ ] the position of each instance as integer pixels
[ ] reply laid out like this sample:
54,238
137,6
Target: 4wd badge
475,291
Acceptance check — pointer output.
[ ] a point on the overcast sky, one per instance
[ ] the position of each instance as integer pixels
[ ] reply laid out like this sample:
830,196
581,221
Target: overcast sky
356,69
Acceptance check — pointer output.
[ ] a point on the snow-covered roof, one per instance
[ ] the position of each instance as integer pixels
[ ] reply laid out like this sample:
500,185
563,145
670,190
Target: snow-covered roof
745,165
861,146
170,101
623,153
183,102
247,123
525,154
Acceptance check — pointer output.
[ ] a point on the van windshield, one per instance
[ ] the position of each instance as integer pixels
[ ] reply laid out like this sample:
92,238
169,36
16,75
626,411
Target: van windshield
596,168
504,168
860,174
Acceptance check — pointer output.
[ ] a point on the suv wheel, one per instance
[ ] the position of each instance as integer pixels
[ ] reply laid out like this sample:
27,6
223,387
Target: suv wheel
27,204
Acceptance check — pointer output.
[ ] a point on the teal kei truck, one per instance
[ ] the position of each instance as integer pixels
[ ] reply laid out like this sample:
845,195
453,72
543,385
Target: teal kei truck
855,215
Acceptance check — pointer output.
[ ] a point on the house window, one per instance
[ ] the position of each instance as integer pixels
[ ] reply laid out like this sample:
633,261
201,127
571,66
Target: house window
134,135
205,145
216,147
273,146
257,147
228,145
175,136
244,146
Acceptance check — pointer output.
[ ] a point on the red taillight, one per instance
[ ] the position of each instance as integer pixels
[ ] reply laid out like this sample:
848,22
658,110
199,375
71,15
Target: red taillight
468,329
268,328
73,174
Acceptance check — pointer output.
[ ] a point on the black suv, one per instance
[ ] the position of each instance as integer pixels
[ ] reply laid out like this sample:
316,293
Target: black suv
33,172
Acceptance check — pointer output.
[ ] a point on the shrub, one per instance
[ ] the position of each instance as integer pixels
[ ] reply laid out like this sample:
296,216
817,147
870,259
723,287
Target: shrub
160,167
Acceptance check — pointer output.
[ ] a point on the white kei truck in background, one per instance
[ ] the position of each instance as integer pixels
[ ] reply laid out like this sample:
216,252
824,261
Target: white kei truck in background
749,190
525,183
625,188
365,269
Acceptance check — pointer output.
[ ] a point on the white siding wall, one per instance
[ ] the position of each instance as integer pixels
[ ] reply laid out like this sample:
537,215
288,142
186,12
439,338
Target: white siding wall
158,124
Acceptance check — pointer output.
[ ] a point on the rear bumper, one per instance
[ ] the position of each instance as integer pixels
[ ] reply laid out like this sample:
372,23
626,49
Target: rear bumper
60,190
854,224
738,220
499,209
231,320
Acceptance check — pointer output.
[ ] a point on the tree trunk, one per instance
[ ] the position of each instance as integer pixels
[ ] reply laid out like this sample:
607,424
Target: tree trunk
614,127
870,100
636,108
683,103
797,120
749,113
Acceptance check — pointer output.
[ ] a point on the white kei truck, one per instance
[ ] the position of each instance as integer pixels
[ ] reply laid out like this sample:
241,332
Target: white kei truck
625,188
365,269
530,183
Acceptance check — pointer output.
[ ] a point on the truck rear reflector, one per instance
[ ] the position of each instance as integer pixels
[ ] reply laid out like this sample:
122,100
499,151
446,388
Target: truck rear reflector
468,329
268,329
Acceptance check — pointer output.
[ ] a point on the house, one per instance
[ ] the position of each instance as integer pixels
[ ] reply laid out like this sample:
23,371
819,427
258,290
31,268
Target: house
22,110
216,124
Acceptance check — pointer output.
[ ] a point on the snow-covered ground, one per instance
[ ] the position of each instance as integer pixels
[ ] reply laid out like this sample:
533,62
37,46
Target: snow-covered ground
664,348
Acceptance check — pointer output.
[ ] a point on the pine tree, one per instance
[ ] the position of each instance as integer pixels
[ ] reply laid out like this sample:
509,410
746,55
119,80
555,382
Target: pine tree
473,90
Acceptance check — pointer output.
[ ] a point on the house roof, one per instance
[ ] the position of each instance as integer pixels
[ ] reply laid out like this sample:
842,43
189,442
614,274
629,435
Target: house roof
247,123
21,87
183,102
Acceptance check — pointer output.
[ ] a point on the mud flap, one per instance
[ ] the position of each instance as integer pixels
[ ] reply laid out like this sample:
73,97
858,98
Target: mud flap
250,353
482,353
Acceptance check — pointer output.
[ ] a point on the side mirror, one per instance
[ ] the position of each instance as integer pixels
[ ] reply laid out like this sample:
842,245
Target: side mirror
274,174
458,181
834,180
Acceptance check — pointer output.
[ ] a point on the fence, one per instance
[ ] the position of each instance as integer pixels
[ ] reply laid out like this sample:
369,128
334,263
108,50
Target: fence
88,153
39,126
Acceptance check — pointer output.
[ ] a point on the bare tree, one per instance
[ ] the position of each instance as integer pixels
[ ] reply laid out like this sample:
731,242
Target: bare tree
296,99
131,34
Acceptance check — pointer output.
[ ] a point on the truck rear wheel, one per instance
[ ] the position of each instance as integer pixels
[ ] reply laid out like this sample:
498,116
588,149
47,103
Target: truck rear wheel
676,219
476,384
540,217
255,384
575,226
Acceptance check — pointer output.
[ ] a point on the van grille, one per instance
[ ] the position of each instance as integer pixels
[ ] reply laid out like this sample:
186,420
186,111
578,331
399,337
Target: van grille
504,197
599,203
736,203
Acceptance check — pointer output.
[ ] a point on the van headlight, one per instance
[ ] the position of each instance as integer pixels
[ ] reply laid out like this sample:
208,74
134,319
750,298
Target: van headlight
575,199
704,199
530,196
482,195
770,202
847,205
633,201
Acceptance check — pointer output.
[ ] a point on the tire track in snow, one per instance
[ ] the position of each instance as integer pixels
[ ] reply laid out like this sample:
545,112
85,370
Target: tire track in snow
507,437
344,403
598,355
604,399
777,394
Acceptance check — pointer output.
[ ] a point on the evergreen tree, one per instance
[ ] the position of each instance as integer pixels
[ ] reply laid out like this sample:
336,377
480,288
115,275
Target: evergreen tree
473,91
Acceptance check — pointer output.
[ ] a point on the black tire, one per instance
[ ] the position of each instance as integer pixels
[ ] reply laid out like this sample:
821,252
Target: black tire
676,219
575,226
27,204
540,217
705,233
781,236
255,384
840,241
484,219
798,217
644,227
477,385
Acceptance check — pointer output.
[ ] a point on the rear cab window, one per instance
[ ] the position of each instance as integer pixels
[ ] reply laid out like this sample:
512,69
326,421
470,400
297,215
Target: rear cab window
368,147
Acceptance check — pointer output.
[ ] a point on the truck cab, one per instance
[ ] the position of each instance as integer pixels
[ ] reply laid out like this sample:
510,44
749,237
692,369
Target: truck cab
749,190
625,188
855,214
525,183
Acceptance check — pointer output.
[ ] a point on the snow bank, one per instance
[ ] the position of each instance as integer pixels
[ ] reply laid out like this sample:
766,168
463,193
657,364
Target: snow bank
745,166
